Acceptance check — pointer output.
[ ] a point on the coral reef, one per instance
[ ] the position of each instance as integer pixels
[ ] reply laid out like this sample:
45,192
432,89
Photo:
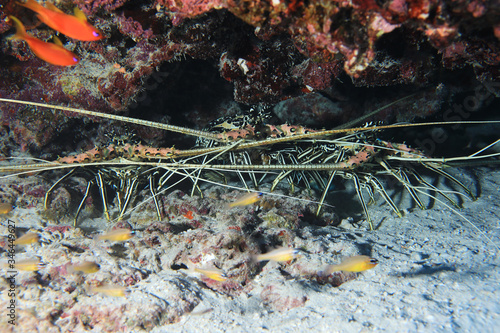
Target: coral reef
268,50
312,63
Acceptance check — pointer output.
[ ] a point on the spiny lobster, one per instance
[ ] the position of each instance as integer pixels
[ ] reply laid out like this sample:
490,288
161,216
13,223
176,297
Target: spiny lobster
249,146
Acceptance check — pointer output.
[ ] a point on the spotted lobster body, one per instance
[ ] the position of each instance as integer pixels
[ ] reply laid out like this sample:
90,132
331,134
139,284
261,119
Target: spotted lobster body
257,152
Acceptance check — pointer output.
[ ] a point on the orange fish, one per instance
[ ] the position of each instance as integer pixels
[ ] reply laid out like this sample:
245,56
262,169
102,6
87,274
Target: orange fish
353,264
54,54
75,26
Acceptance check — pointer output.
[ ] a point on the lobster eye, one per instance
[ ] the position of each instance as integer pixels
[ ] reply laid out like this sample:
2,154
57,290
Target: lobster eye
96,34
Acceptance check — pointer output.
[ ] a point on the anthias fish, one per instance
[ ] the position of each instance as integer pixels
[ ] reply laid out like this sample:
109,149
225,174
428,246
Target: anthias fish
74,26
54,54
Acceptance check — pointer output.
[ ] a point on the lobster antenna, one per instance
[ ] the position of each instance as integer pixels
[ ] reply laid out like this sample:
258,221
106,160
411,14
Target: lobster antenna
368,115
167,127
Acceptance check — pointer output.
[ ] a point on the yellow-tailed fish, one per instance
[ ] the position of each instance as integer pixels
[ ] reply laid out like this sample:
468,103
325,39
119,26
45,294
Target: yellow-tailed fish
211,273
353,264
5,208
117,235
280,254
28,265
86,267
110,290
27,238
246,200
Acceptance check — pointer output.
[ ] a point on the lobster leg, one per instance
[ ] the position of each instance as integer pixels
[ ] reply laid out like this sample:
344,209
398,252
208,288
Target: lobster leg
102,191
87,191
46,201
248,160
197,177
282,175
453,179
199,170
380,188
434,188
402,177
330,179
409,187
232,159
131,187
357,186
155,196
325,192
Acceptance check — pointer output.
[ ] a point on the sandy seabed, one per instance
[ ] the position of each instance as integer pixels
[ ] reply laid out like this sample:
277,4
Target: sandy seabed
437,274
